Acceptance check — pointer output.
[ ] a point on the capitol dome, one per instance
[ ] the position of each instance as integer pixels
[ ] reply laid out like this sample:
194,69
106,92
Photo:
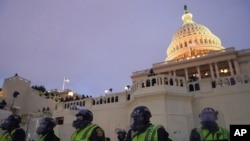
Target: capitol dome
191,40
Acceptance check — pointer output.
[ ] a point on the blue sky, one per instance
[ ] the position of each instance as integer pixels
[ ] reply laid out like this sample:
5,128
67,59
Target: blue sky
97,44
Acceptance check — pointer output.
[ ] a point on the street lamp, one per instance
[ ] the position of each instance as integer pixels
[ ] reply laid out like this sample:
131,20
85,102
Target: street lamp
106,92
127,88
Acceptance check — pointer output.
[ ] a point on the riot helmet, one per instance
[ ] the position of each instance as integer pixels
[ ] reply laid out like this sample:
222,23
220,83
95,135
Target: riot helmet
121,134
208,114
140,117
83,117
208,119
45,125
11,122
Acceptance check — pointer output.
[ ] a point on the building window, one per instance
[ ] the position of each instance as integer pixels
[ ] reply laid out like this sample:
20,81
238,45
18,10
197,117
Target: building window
59,120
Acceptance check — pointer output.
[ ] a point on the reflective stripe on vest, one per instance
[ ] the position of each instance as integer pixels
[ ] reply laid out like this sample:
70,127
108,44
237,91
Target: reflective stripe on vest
8,136
3,136
41,137
149,135
205,135
84,134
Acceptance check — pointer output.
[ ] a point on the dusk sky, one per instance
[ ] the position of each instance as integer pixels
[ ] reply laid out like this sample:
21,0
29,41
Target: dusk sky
98,44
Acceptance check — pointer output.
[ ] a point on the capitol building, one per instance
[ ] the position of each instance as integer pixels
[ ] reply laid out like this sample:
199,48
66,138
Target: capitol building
198,72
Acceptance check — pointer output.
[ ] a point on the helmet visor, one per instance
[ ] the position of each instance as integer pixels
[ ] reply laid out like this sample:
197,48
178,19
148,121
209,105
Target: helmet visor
208,116
137,122
42,127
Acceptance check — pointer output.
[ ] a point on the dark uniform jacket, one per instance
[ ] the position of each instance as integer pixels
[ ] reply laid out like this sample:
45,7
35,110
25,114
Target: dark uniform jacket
97,135
51,137
18,135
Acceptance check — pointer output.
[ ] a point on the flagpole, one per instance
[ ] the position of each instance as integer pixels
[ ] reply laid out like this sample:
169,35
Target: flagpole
63,84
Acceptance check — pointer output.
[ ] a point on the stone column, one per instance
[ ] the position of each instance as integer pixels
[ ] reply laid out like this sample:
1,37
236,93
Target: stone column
230,67
237,67
199,72
174,73
211,70
186,74
217,70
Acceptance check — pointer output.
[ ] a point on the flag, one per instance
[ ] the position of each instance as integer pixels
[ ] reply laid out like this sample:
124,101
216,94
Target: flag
66,80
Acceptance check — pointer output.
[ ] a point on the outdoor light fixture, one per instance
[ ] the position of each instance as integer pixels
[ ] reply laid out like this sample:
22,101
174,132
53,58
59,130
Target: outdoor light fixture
70,94
224,71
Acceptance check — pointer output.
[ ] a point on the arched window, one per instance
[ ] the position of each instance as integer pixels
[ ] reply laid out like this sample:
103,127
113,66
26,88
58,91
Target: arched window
128,97
191,88
213,84
147,83
197,86
153,81
239,80
166,80
219,82
176,82
246,79
226,82
171,82
181,83
232,81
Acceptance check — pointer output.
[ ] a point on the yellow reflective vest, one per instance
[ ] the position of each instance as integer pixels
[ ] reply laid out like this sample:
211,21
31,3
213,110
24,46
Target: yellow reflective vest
221,134
83,134
150,134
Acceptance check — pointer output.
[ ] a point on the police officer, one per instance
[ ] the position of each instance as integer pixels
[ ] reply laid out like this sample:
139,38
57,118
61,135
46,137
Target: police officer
12,129
85,129
142,129
209,131
45,130
121,134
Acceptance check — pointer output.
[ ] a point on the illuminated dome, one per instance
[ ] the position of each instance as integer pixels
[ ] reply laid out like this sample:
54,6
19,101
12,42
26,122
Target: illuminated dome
191,40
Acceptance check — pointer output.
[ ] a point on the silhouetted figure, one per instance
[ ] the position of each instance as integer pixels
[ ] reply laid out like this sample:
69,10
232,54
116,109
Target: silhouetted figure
3,104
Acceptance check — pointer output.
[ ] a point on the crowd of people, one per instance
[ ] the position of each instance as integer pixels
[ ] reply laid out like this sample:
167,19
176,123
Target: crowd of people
141,129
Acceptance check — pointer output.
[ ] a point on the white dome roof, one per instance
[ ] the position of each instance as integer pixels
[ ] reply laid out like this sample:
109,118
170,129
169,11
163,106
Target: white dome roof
192,39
